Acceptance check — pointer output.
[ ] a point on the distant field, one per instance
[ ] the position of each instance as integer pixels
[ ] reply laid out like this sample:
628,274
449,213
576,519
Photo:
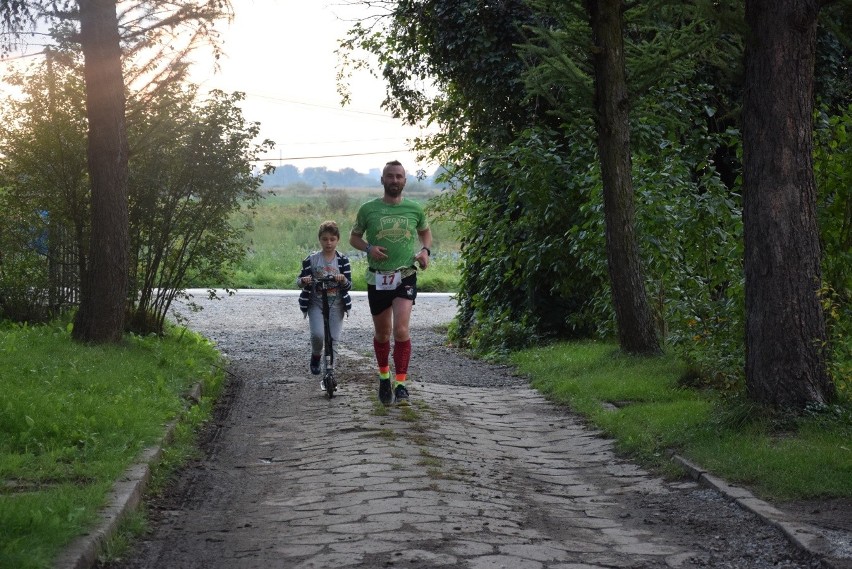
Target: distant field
284,231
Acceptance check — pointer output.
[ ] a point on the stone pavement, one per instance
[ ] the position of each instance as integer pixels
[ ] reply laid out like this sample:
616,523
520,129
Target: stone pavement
480,478
474,478
356,489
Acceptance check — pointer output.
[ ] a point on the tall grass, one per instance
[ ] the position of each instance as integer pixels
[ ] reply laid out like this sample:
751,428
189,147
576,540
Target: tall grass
284,230
73,418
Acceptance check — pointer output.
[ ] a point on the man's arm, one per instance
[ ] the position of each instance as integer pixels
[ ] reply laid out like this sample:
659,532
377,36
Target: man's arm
425,237
357,240
422,256
373,252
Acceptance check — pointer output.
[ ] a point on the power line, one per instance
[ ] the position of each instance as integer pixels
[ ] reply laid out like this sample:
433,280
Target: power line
327,156
22,56
317,105
327,142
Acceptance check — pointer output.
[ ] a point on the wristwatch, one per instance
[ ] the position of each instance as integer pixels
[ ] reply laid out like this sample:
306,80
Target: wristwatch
428,252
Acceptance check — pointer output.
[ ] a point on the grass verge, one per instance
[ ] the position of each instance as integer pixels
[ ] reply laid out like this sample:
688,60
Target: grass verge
284,230
641,404
74,417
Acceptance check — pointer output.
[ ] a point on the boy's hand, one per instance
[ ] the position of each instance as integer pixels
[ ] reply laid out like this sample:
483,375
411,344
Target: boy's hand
307,280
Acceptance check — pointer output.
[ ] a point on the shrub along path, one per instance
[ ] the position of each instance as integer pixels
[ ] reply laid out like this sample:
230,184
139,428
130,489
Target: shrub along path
479,471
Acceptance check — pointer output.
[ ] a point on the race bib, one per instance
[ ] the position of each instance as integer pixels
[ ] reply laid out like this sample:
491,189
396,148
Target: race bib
388,281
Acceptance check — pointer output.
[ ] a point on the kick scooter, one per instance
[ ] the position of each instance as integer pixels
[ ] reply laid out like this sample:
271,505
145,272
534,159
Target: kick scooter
329,383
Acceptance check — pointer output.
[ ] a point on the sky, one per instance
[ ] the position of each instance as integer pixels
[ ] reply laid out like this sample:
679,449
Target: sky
280,53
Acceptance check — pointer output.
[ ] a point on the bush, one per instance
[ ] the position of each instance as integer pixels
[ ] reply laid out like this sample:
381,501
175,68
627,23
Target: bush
337,200
187,183
521,278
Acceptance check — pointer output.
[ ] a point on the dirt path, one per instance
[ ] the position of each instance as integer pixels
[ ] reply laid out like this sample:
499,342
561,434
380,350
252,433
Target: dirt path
478,472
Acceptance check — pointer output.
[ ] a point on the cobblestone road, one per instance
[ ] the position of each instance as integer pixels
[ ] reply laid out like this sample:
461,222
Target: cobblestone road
468,477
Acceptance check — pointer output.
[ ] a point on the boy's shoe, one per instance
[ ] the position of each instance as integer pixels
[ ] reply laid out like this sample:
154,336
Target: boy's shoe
385,393
401,394
315,365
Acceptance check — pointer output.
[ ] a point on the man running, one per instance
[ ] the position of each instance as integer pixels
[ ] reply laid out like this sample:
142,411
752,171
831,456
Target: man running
395,234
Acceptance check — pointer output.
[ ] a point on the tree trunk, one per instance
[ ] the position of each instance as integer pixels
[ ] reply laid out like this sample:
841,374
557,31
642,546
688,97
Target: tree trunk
636,333
104,285
785,328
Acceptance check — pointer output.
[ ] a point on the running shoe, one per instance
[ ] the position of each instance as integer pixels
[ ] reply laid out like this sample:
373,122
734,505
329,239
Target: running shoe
401,393
315,365
385,393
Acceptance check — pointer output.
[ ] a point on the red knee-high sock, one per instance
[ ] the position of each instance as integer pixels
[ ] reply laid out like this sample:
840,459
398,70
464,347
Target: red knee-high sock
382,350
401,356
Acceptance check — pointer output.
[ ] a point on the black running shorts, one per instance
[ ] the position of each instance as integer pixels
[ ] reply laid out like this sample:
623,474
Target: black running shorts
381,300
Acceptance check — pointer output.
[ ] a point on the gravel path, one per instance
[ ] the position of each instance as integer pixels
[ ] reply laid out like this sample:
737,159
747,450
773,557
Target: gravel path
478,472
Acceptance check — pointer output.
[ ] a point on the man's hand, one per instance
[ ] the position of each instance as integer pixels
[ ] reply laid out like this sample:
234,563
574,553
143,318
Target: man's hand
377,252
422,258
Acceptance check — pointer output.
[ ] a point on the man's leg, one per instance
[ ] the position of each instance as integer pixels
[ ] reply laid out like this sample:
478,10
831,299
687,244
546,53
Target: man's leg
383,325
402,344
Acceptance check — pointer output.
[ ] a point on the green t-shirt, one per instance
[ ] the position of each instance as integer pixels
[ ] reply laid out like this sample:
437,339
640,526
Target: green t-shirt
394,227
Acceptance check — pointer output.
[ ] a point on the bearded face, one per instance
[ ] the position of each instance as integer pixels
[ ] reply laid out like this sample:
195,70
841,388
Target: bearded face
393,180
393,189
